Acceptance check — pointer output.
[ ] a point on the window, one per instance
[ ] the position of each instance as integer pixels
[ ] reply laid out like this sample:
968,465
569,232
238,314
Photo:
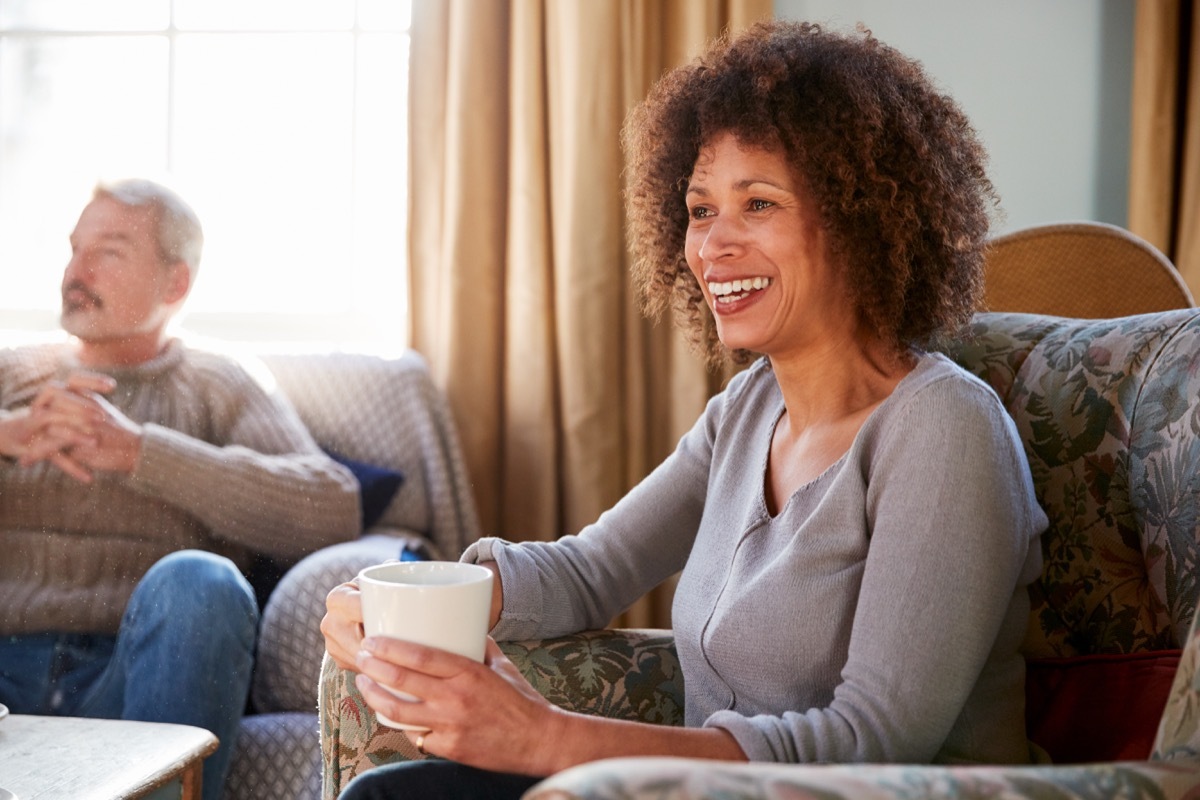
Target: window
281,121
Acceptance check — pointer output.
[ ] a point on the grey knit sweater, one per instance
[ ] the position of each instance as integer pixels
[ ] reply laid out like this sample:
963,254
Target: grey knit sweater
224,467
878,617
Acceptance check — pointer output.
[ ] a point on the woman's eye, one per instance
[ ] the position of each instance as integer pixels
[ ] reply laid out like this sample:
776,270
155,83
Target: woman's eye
699,212
760,205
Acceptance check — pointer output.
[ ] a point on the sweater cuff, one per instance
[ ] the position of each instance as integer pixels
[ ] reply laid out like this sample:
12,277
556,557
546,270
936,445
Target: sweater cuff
520,617
749,736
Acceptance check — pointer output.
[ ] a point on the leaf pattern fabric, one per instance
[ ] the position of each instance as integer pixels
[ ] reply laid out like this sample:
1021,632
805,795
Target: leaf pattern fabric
1109,412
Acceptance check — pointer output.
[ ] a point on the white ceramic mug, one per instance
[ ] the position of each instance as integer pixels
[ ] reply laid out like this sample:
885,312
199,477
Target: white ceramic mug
443,604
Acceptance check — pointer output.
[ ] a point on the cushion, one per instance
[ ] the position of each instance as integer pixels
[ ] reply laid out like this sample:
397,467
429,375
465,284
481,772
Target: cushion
1098,707
377,485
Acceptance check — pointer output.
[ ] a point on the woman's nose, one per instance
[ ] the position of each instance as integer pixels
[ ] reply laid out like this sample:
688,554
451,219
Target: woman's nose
725,237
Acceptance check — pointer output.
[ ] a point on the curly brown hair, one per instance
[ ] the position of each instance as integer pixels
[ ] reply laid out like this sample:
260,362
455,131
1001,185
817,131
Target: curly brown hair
894,167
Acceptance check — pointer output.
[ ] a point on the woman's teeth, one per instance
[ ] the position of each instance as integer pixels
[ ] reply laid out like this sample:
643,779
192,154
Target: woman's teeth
729,291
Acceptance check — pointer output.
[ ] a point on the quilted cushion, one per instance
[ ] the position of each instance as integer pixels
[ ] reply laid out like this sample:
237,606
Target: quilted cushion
388,413
276,756
290,645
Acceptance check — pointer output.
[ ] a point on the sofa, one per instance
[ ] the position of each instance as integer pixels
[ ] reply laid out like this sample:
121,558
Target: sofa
377,413
1109,414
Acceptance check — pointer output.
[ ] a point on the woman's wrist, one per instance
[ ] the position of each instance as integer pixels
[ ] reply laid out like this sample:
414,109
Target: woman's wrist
563,731
581,738
497,593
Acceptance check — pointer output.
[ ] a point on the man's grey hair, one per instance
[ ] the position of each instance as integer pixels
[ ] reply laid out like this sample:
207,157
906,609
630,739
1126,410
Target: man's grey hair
179,235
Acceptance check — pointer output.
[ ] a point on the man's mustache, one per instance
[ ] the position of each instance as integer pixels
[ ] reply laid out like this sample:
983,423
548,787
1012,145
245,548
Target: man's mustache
77,286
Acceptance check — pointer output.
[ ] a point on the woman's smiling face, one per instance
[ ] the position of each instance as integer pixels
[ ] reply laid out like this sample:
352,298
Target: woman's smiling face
757,247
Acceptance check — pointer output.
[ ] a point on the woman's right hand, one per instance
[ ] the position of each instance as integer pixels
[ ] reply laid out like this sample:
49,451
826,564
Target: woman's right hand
342,624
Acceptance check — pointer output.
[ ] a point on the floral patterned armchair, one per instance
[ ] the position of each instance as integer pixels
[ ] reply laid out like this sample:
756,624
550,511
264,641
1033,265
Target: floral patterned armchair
1109,411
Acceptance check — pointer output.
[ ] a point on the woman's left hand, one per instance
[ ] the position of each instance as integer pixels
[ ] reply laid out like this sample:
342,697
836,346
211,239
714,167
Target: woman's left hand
483,715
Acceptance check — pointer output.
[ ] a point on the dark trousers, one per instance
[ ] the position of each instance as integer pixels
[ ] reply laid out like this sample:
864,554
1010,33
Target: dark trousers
436,780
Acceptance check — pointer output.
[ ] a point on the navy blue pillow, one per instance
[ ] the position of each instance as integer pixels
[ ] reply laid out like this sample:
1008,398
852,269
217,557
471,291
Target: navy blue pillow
378,485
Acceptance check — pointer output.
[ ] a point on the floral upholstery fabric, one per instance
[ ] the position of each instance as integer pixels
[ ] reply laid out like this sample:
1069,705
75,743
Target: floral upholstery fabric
1109,412
626,674
686,779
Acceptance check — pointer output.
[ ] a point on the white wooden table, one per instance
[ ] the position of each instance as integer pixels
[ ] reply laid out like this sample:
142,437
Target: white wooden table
68,758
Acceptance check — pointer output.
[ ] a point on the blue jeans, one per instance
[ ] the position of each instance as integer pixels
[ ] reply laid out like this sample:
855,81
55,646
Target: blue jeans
183,654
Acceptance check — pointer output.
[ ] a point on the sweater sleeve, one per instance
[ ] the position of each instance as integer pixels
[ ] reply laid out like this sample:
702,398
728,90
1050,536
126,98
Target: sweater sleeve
259,480
953,523
582,581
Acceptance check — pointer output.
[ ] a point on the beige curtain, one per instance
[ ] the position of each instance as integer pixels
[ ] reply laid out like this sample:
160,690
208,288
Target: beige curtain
565,397
1164,180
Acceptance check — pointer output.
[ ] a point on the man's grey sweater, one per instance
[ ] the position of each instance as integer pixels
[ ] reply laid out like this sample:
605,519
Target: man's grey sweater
224,467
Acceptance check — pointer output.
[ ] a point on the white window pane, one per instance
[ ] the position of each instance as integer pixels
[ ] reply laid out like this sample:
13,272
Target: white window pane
85,15
384,15
71,111
381,178
238,15
293,153
264,132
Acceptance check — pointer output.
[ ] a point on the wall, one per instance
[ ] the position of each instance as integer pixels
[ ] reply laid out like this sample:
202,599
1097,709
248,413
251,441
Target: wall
1046,84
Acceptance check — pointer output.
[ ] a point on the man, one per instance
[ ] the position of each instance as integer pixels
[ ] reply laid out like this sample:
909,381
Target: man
136,478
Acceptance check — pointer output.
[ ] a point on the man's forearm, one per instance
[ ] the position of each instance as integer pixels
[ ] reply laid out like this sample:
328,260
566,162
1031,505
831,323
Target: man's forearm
286,504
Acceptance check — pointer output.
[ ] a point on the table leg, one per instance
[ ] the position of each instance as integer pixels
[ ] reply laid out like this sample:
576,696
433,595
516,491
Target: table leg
191,779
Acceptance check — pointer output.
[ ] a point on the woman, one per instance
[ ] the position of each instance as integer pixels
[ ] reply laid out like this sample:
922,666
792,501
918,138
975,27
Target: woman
853,516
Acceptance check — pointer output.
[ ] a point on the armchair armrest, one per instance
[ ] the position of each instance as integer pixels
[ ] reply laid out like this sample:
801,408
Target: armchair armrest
691,779
627,674
290,644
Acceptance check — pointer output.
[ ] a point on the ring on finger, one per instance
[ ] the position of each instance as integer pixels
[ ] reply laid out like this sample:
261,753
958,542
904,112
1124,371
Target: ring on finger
421,744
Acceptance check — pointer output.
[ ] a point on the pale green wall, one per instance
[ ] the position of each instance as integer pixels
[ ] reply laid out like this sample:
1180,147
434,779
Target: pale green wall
1045,82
